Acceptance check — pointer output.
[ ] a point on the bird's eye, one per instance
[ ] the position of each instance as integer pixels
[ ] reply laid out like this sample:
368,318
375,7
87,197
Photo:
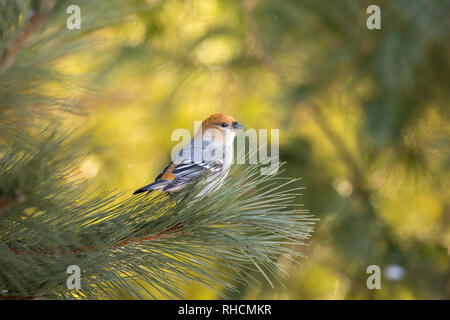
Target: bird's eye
224,125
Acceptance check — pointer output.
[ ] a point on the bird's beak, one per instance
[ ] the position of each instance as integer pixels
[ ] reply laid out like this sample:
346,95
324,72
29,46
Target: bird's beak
237,126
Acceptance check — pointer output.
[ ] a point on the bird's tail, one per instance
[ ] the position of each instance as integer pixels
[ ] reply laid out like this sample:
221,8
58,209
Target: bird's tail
157,185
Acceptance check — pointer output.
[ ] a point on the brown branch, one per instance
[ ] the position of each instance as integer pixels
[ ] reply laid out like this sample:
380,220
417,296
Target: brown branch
6,204
167,233
18,297
123,242
160,235
8,55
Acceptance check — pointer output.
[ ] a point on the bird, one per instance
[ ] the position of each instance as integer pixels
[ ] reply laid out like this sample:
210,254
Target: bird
209,154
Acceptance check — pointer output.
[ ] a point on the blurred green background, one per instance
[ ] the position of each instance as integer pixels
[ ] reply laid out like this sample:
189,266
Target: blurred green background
363,118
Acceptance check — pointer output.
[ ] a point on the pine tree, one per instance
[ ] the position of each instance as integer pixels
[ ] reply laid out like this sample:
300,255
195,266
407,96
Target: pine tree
148,246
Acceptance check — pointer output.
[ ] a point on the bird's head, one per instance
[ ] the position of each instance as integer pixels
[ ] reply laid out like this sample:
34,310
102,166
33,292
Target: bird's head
221,122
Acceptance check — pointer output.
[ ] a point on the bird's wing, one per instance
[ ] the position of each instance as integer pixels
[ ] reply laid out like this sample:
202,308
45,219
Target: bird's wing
184,169
185,172
162,180
166,173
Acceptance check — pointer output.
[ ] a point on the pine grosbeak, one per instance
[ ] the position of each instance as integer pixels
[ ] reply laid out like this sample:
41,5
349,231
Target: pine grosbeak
209,153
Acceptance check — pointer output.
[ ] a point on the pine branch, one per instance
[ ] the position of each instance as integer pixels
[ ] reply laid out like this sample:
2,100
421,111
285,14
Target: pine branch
83,250
50,220
36,21
163,241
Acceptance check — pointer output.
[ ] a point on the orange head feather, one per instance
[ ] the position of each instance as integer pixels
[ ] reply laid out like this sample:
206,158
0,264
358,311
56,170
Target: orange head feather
220,121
